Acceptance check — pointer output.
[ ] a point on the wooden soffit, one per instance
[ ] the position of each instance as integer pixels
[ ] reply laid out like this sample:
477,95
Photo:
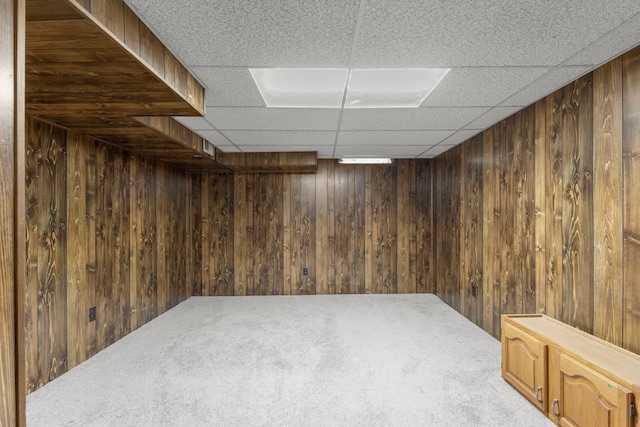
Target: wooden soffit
93,66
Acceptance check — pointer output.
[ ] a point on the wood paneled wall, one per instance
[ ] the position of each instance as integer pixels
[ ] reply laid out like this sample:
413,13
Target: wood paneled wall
541,212
358,229
105,229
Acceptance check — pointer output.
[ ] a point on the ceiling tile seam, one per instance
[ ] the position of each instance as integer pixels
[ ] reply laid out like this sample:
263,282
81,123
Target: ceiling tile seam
354,41
444,144
596,40
216,129
533,84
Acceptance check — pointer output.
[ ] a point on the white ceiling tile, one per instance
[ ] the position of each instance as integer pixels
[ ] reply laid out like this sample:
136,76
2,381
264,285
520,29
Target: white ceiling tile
396,151
428,118
481,86
194,123
503,54
251,33
492,117
228,87
280,138
253,118
620,39
483,32
391,138
544,85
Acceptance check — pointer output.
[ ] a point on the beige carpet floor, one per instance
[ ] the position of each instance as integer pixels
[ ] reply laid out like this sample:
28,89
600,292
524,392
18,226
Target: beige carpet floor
340,360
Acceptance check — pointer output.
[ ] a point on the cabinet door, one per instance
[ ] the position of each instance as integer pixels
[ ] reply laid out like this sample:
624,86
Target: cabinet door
588,398
524,364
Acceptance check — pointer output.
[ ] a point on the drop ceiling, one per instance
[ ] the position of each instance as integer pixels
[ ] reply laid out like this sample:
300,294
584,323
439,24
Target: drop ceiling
503,55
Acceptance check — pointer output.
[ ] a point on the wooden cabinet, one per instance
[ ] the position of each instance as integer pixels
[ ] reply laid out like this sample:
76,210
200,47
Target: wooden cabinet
576,379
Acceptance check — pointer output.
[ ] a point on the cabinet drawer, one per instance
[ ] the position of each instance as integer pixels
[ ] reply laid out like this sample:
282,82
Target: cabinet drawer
588,398
524,364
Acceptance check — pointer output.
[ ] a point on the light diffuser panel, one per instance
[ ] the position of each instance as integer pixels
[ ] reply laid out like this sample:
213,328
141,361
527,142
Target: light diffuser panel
366,88
391,88
301,87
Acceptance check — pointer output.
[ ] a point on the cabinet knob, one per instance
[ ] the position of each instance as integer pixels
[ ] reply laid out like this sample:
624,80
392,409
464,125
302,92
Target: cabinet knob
555,407
539,394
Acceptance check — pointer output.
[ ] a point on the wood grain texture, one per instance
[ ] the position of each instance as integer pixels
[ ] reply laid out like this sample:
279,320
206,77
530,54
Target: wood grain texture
81,296
96,59
527,221
576,126
554,196
340,223
10,116
51,237
607,196
489,222
472,292
559,210
540,203
630,202
425,229
91,241
194,229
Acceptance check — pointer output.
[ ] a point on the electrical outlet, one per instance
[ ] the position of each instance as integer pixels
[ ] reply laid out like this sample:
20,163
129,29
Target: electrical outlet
474,290
305,271
92,314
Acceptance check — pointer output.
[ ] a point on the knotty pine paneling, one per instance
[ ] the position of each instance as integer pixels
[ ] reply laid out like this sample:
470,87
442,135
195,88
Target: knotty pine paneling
558,207
358,229
105,229
631,199
607,194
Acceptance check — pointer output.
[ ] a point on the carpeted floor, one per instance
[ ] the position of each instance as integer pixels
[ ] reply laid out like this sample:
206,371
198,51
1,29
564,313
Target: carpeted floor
340,360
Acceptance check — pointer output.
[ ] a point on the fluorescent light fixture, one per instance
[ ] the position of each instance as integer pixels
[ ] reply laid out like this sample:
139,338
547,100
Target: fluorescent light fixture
301,87
365,161
365,87
391,88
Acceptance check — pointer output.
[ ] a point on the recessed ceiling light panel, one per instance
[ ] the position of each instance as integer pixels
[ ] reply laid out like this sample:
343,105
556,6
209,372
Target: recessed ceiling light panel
301,87
365,161
391,88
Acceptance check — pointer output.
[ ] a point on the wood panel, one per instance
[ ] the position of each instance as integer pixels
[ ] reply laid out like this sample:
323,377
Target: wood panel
607,195
447,223
51,290
631,201
489,223
470,231
425,230
81,286
93,217
540,206
193,285
217,235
